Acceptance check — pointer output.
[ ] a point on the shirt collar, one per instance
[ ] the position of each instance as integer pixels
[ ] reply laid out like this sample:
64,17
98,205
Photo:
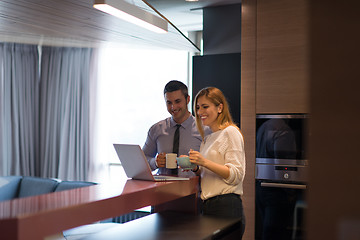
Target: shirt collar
185,124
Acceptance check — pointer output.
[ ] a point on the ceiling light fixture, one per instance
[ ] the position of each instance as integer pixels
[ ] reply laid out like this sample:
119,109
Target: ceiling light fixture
147,3
133,14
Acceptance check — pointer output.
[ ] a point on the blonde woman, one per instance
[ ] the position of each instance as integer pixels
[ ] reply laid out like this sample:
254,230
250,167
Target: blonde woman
221,159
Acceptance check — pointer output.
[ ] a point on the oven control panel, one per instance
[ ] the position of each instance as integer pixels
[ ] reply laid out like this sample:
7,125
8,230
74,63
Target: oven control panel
281,173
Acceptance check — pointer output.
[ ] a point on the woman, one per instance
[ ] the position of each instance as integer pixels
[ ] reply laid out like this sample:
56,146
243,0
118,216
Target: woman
221,160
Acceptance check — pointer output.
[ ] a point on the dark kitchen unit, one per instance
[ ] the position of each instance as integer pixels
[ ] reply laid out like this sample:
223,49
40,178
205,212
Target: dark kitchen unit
220,64
281,175
221,71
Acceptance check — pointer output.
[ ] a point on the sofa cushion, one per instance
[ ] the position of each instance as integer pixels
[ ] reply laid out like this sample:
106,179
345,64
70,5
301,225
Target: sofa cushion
31,186
9,187
66,185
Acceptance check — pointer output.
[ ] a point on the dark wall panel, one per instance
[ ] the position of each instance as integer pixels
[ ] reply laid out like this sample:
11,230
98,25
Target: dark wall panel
221,71
222,29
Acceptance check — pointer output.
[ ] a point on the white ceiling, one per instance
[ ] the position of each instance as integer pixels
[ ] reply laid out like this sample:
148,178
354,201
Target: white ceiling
77,23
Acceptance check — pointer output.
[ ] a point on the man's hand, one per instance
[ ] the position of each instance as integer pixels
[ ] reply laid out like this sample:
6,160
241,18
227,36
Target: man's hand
161,160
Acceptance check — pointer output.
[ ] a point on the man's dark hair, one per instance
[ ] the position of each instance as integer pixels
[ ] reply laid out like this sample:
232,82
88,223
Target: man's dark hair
175,85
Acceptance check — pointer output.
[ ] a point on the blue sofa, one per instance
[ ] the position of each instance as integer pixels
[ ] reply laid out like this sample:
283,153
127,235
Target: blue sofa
23,186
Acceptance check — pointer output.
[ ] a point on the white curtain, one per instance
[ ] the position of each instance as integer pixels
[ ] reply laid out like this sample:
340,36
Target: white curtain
65,112
19,109
44,127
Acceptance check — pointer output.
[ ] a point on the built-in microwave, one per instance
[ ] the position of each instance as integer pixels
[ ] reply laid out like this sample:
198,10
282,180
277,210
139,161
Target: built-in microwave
281,147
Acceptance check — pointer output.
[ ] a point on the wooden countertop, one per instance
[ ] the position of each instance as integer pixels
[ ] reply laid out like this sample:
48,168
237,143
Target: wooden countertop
40,216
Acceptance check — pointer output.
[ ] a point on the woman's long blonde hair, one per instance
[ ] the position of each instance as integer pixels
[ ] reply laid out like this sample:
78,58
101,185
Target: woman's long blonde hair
216,96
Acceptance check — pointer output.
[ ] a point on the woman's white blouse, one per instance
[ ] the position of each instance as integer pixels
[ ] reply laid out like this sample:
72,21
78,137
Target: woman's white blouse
224,147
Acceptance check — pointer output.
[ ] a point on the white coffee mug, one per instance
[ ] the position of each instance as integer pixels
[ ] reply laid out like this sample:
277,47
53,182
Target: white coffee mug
171,160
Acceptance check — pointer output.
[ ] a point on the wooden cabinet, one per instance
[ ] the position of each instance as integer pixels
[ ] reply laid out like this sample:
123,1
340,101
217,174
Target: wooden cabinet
274,74
281,57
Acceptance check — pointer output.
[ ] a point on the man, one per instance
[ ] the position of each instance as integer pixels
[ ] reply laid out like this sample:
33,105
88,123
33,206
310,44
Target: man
160,136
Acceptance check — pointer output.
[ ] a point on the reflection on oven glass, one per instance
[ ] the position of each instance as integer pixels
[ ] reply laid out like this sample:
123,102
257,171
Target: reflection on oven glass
275,139
275,212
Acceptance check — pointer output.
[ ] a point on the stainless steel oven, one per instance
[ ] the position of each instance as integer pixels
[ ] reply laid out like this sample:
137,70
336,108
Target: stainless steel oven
281,175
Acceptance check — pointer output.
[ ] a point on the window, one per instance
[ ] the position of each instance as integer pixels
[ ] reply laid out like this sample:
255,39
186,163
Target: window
130,98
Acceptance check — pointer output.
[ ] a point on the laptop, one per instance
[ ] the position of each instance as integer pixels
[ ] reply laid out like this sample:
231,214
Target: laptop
136,165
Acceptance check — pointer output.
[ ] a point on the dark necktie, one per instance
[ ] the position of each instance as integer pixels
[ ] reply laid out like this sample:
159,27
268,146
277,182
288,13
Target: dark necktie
176,139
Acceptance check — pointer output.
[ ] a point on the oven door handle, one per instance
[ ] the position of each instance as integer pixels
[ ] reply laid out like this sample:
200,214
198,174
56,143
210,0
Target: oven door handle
283,185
